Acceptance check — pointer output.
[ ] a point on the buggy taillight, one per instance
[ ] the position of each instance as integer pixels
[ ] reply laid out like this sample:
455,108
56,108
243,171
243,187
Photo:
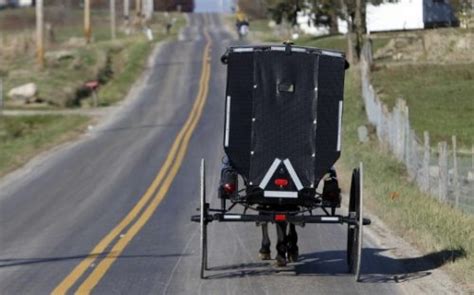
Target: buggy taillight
229,188
280,217
281,182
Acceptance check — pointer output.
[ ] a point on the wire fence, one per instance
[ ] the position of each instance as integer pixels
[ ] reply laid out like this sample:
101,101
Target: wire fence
445,172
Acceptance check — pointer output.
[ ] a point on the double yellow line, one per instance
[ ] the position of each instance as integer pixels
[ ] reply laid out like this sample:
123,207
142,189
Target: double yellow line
145,208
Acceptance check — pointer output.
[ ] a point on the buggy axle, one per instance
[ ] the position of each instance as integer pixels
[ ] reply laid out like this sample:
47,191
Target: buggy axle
296,219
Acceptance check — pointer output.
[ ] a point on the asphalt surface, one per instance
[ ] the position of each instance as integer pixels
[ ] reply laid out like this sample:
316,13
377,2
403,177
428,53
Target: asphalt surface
52,218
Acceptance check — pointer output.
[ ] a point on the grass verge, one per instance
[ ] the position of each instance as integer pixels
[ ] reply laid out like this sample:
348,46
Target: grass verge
439,230
23,137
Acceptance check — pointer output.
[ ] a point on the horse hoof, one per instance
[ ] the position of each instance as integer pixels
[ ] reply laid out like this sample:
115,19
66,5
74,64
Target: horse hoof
280,261
265,256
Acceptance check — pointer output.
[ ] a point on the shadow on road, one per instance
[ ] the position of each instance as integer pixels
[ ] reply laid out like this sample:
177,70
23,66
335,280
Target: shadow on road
10,262
376,267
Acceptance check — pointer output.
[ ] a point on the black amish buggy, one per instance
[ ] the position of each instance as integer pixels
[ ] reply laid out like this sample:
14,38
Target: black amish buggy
282,134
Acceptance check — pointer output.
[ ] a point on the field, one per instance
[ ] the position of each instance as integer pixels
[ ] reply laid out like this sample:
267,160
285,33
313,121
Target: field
433,72
439,96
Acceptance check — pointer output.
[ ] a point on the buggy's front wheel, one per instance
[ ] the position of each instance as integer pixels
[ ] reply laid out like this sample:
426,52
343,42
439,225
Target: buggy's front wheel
203,220
355,230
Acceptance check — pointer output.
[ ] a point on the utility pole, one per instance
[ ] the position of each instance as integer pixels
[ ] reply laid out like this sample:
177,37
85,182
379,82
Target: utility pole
126,9
87,21
138,7
39,33
148,9
350,46
138,13
112,19
359,29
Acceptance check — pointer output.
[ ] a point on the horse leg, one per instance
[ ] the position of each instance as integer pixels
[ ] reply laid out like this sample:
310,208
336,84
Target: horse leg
292,244
265,249
281,243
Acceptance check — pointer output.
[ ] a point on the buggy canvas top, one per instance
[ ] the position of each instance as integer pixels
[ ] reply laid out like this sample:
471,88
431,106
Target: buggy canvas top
283,113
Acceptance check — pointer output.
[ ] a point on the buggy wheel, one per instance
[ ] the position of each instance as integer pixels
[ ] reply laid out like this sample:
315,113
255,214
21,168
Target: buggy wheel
203,224
355,231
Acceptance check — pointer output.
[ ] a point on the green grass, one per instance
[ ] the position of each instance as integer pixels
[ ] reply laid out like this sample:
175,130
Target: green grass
415,216
336,42
439,96
22,137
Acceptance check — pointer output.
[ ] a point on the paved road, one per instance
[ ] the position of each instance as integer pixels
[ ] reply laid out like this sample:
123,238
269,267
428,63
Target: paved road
70,224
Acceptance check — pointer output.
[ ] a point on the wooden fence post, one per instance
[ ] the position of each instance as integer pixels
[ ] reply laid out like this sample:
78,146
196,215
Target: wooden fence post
1,97
40,33
455,173
442,172
425,186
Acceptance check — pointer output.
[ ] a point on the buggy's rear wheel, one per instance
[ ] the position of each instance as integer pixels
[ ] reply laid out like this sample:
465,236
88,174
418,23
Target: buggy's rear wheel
203,224
355,230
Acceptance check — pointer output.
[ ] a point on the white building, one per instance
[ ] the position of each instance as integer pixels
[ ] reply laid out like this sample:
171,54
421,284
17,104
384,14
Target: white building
24,3
15,3
409,15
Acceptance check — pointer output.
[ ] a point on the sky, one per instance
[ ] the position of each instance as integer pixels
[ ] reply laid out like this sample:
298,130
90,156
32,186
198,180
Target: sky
213,5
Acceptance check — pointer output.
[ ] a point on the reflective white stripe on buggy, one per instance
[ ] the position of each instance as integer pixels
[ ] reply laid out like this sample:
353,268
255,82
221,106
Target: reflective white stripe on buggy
228,216
277,48
296,49
227,122
339,123
280,194
293,174
329,218
243,49
329,53
270,173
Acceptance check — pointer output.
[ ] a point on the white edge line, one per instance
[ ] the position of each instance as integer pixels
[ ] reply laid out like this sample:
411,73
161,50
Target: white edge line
269,173
227,122
293,174
278,194
339,123
329,53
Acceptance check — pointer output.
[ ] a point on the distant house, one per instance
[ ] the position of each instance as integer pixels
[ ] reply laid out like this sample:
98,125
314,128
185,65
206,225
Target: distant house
16,3
25,3
409,15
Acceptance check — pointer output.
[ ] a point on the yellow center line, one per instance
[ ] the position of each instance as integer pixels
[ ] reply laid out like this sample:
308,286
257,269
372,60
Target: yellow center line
185,133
